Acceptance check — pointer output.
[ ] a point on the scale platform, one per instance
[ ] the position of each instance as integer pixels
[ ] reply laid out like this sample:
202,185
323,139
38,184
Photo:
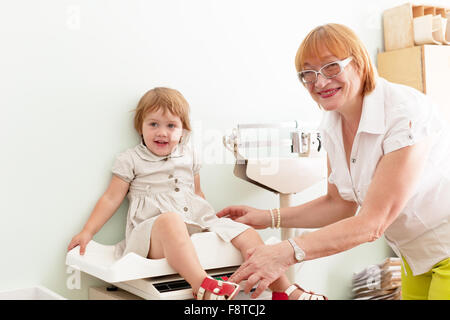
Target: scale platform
154,278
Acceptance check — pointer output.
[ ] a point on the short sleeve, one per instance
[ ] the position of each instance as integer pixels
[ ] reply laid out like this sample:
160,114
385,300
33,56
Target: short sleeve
196,161
123,167
331,178
410,123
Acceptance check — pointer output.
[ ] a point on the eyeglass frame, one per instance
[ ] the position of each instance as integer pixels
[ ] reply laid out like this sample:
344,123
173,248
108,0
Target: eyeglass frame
342,64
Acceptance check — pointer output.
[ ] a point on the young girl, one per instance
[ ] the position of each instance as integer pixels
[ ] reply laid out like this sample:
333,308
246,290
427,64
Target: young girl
166,203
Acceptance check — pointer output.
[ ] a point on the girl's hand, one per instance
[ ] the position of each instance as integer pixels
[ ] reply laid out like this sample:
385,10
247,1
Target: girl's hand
81,239
255,218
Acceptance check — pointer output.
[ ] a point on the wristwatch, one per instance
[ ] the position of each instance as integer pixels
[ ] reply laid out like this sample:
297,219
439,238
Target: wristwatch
299,254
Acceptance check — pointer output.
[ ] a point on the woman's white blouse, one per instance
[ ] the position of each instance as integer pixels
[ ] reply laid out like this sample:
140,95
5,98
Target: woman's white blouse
395,116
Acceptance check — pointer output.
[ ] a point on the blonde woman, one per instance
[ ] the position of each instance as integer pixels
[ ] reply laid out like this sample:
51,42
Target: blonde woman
388,153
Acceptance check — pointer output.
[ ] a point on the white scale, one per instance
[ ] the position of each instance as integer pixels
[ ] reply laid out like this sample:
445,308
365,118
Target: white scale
155,279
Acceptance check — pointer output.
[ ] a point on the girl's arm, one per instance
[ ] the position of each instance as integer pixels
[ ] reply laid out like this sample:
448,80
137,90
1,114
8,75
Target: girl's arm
198,189
103,211
107,205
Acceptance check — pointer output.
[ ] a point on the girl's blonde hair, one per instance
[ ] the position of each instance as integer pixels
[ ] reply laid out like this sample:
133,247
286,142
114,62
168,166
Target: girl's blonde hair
342,42
169,100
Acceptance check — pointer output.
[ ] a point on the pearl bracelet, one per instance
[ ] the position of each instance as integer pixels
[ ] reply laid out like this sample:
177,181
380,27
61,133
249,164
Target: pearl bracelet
279,218
273,218
277,226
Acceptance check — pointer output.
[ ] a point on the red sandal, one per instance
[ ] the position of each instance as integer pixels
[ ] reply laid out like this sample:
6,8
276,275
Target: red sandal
220,290
306,295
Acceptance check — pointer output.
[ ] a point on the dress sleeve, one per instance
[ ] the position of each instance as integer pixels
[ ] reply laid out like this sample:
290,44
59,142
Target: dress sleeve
123,167
411,123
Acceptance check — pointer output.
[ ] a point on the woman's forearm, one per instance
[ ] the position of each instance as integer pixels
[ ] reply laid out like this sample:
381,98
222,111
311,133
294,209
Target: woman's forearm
317,213
336,237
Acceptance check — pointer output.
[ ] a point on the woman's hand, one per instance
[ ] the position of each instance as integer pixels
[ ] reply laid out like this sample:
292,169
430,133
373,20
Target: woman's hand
255,218
81,239
264,264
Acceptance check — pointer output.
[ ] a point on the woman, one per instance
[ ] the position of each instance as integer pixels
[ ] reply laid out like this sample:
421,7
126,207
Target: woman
388,153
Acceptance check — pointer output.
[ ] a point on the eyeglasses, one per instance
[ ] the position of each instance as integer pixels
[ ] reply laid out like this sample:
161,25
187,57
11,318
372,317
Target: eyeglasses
330,70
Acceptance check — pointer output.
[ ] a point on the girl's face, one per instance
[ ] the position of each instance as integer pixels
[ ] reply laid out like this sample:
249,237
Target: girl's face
161,132
336,93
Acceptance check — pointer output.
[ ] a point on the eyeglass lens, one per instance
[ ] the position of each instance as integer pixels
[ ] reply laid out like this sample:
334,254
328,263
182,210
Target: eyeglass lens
329,71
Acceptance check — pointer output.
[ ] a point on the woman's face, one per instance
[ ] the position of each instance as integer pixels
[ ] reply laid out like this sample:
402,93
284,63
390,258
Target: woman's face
161,132
338,93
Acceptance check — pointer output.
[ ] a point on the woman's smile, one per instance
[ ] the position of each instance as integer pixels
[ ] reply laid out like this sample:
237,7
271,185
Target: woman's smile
328,93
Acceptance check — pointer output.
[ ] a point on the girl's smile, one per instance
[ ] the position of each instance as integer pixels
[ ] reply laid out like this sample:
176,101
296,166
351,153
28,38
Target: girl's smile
161,132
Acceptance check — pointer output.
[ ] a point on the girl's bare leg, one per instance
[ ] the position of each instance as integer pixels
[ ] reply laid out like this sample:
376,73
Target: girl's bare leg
170,239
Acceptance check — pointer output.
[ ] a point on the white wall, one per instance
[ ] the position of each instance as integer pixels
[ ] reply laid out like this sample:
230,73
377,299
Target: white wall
71,71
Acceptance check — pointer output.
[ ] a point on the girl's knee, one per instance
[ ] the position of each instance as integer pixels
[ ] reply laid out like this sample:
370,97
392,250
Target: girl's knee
168,219
168,225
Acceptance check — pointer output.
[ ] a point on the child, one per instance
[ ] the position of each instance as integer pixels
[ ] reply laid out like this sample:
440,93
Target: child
166,203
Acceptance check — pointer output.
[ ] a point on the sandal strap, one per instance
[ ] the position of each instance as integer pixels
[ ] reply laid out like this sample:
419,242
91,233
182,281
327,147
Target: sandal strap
220,290
306,295
291,289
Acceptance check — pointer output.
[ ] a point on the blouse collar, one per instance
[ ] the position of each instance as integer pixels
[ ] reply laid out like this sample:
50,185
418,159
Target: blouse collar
372,115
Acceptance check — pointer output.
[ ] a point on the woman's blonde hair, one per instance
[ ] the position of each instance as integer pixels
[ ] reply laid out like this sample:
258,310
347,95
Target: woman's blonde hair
342,42
169,100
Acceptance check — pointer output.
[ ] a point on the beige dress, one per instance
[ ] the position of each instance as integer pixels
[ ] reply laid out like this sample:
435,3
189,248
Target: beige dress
165,184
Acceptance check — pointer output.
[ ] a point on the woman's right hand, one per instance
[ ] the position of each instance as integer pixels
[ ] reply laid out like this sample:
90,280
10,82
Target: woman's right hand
255,218
81,239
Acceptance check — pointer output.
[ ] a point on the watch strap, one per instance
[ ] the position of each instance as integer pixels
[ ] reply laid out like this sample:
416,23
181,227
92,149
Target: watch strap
299,254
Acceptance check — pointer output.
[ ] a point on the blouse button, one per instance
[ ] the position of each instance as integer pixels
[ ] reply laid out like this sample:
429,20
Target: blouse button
353,160
170,176
185,209
410,136
177,189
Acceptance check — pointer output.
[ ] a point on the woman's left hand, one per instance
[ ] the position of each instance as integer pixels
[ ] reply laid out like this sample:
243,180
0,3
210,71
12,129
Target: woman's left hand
264,264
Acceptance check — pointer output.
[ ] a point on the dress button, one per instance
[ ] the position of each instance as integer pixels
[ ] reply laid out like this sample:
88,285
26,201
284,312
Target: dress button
176,180
177,189
353,160
185,209
171,176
